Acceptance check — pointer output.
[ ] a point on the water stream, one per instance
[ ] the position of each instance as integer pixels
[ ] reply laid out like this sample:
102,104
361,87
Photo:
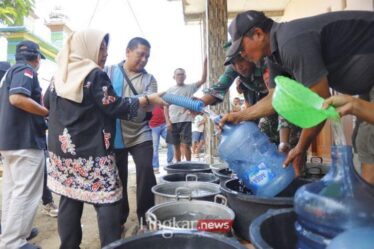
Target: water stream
338,132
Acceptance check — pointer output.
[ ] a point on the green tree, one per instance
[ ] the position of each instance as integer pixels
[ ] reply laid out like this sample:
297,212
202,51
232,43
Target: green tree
13,11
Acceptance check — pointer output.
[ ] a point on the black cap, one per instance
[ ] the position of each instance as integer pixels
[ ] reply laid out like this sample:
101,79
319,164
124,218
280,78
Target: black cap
28,47
241,24
229,58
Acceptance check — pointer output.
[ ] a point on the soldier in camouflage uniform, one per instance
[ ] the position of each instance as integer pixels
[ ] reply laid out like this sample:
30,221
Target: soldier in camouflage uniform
293,137
254,87
251,84
269,126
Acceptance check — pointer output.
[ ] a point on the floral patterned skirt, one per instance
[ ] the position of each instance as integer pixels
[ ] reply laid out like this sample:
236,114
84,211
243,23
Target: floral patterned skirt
94,179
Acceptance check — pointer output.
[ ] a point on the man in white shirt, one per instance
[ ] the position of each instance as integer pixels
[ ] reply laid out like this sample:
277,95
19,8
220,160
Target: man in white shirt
179,119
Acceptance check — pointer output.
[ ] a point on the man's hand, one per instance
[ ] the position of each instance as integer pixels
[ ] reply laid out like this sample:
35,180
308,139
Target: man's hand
231,117
284,147
296,157
344,104
156,99
169,126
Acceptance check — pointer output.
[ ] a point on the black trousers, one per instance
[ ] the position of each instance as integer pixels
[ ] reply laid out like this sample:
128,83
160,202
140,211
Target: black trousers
145,178
69,222
47,195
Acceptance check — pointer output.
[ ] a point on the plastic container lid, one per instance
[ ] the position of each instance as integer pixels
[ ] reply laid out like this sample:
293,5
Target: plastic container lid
300,105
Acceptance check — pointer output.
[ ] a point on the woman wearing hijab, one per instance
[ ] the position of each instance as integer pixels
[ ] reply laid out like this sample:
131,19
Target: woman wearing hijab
82,111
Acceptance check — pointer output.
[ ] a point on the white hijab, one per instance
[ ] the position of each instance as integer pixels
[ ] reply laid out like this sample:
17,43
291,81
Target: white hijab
78,57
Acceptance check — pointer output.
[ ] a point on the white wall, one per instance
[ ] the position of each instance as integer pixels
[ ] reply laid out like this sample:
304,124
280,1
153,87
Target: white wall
3,49
360,4
303,8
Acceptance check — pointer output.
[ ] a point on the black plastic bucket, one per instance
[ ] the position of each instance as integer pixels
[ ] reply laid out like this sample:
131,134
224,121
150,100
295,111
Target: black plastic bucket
176,240
248,207
200,177
188,167
223,175
274,229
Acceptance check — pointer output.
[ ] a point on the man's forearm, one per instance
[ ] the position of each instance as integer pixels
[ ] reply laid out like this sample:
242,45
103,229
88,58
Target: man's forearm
284,135
166,113
208,99
364,110
28,105
216,93
308,135
204,73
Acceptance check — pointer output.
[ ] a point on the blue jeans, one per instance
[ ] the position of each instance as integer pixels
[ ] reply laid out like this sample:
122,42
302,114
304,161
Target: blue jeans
157,132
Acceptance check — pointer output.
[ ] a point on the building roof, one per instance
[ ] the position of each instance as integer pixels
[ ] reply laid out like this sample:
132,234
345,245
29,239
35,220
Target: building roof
193,9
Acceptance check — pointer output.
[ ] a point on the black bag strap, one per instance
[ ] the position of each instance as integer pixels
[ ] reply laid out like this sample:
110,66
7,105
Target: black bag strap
120,65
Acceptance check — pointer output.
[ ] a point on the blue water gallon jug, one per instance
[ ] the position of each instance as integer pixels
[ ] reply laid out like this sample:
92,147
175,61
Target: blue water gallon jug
237,141
266,177
357,238
254,159
341,200
234,166
249,152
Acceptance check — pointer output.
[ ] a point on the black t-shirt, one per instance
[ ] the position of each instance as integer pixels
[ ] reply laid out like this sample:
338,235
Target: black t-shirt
20,129
337,45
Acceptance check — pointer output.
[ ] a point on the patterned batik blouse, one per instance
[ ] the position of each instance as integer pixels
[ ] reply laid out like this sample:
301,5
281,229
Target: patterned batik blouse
80,140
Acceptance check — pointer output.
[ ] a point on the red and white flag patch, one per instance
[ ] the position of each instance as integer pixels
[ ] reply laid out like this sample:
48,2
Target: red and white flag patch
28,73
